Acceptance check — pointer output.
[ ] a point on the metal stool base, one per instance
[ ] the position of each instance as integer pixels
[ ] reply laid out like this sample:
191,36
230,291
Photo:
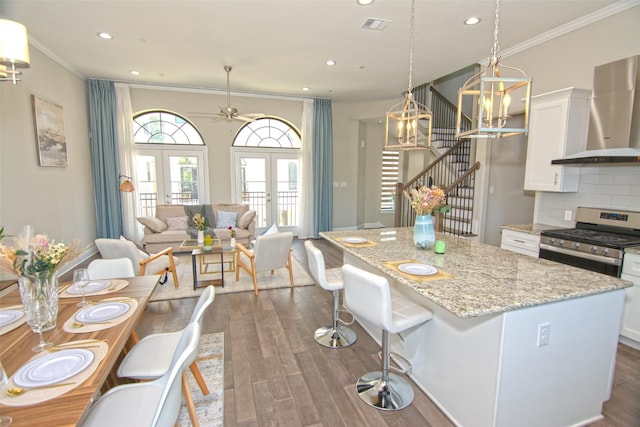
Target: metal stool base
392,395
331,337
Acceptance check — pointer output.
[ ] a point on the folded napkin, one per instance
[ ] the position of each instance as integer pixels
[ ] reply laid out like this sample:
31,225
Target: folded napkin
115,285
11,326
437,276
357,245
99,350
97,326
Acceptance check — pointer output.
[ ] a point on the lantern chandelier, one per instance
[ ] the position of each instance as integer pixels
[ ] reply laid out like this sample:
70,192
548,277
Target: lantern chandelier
493,93
408,125
14,50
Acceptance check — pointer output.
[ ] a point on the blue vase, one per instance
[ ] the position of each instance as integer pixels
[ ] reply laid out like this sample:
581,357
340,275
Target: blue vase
424,235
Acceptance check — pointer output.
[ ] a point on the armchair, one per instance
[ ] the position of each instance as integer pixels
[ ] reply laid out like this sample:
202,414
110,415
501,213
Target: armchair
271,251
162,262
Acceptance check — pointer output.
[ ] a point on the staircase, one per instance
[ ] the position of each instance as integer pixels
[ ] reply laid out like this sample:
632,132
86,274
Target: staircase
452,171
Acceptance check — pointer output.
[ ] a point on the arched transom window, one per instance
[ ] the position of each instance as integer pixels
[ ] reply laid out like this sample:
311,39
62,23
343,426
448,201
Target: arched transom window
267,132
164,127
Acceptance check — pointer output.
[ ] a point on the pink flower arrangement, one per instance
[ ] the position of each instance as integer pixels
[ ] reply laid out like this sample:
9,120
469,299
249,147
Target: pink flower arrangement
425,200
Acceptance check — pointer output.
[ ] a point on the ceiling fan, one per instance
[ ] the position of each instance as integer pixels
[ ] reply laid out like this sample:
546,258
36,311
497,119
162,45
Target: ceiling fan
229,112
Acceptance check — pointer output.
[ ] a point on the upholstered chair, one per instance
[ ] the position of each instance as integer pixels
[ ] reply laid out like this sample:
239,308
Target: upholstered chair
115,268
270,252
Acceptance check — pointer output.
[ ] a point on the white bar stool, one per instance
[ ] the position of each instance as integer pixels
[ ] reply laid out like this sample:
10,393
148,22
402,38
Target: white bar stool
333,336
369,297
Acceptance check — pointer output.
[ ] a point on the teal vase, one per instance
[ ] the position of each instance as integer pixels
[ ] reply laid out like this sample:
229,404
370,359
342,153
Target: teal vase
424,235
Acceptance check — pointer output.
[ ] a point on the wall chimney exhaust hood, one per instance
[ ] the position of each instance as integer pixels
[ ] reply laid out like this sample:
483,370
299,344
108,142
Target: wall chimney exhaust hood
614,127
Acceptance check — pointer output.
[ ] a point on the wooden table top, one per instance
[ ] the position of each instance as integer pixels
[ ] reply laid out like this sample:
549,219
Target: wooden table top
68,409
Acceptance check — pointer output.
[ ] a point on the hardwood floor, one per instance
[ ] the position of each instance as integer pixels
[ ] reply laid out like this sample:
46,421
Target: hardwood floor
276,374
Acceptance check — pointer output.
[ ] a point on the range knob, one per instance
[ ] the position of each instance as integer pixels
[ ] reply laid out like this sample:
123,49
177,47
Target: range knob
552,241
576,245
593,249
605,252
561,243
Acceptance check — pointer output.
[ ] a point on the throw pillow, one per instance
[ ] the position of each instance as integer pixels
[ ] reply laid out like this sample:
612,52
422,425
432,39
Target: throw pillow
226,219
246,218
271,230
152,223
177,223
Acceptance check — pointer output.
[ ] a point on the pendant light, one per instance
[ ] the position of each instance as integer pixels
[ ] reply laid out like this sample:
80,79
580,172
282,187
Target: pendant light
494,89
408,124
14,50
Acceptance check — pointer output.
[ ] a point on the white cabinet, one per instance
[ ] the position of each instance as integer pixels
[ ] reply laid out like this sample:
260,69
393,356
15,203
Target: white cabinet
631,318
558,126
522,243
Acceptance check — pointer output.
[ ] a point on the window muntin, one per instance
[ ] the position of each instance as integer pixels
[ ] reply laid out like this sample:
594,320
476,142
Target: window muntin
164,127
268,132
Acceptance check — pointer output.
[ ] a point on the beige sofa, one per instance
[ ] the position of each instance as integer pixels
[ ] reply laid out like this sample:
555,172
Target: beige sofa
173,224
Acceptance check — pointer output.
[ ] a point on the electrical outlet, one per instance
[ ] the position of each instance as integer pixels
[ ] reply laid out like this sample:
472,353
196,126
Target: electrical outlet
568,215
544,331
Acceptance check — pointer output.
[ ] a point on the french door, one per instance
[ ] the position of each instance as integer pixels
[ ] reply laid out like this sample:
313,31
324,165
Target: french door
170,176
269,182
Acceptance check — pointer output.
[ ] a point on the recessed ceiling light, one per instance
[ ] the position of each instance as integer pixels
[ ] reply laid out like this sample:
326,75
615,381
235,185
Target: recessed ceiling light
105,36
472,20
364,2
330,62
306,89
134,72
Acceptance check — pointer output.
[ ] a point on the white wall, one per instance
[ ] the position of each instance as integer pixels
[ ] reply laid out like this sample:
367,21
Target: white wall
56,201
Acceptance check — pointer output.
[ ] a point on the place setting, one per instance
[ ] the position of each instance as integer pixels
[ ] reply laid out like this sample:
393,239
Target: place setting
10,318
356,242
102,314
53,372
83,286
418,271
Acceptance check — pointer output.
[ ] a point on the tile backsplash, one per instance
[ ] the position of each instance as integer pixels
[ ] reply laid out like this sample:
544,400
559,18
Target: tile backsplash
600,187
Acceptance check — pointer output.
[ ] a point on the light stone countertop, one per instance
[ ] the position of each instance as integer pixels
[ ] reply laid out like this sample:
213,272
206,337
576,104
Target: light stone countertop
487,279
633,250
530,228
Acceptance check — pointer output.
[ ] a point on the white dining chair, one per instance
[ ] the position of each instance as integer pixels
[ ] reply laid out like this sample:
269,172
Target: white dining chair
150,358
110,268
156,403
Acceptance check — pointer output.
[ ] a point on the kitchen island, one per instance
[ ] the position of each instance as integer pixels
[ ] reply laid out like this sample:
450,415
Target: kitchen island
514,340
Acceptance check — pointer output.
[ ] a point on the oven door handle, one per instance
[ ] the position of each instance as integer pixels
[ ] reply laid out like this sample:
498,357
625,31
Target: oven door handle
585,255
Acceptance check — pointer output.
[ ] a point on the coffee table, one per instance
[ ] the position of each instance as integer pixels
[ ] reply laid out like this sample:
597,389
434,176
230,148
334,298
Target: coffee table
190,244
208,260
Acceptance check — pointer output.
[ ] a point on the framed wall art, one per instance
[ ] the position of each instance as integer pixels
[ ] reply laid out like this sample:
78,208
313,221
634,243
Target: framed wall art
50,136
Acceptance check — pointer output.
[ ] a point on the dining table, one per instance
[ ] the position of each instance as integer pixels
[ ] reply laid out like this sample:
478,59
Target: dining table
69,408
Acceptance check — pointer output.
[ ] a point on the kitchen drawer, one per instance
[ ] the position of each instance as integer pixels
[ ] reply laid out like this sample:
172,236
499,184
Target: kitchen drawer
631,264
522,243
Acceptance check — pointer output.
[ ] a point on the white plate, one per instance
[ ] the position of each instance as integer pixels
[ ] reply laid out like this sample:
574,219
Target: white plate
93,286
102,312
53,368
9,316
418,269
354,239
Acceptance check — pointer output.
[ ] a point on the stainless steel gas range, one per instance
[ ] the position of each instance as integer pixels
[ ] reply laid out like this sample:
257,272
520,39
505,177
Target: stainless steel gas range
597,242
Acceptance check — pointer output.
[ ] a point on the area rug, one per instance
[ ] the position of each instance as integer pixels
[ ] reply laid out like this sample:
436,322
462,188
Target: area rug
210,360
266,280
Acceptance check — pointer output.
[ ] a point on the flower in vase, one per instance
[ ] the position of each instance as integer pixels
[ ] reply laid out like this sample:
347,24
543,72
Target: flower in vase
425,201
200,222
233,232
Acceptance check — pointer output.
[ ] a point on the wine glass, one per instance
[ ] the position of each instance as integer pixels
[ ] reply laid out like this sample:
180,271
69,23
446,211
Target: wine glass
5,420
38,314
81,280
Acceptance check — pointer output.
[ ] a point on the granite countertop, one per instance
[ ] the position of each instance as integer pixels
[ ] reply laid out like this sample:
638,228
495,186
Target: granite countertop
530,228
486,279
633,250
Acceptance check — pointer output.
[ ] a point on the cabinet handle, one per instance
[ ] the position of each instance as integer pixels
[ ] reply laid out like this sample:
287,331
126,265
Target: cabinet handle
518,241
555,179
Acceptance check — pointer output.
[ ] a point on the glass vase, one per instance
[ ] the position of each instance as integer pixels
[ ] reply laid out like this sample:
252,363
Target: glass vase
201,237
424,234
43,285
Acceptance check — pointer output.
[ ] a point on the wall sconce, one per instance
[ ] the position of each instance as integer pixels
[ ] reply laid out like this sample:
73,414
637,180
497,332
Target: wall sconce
14,49
126,185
